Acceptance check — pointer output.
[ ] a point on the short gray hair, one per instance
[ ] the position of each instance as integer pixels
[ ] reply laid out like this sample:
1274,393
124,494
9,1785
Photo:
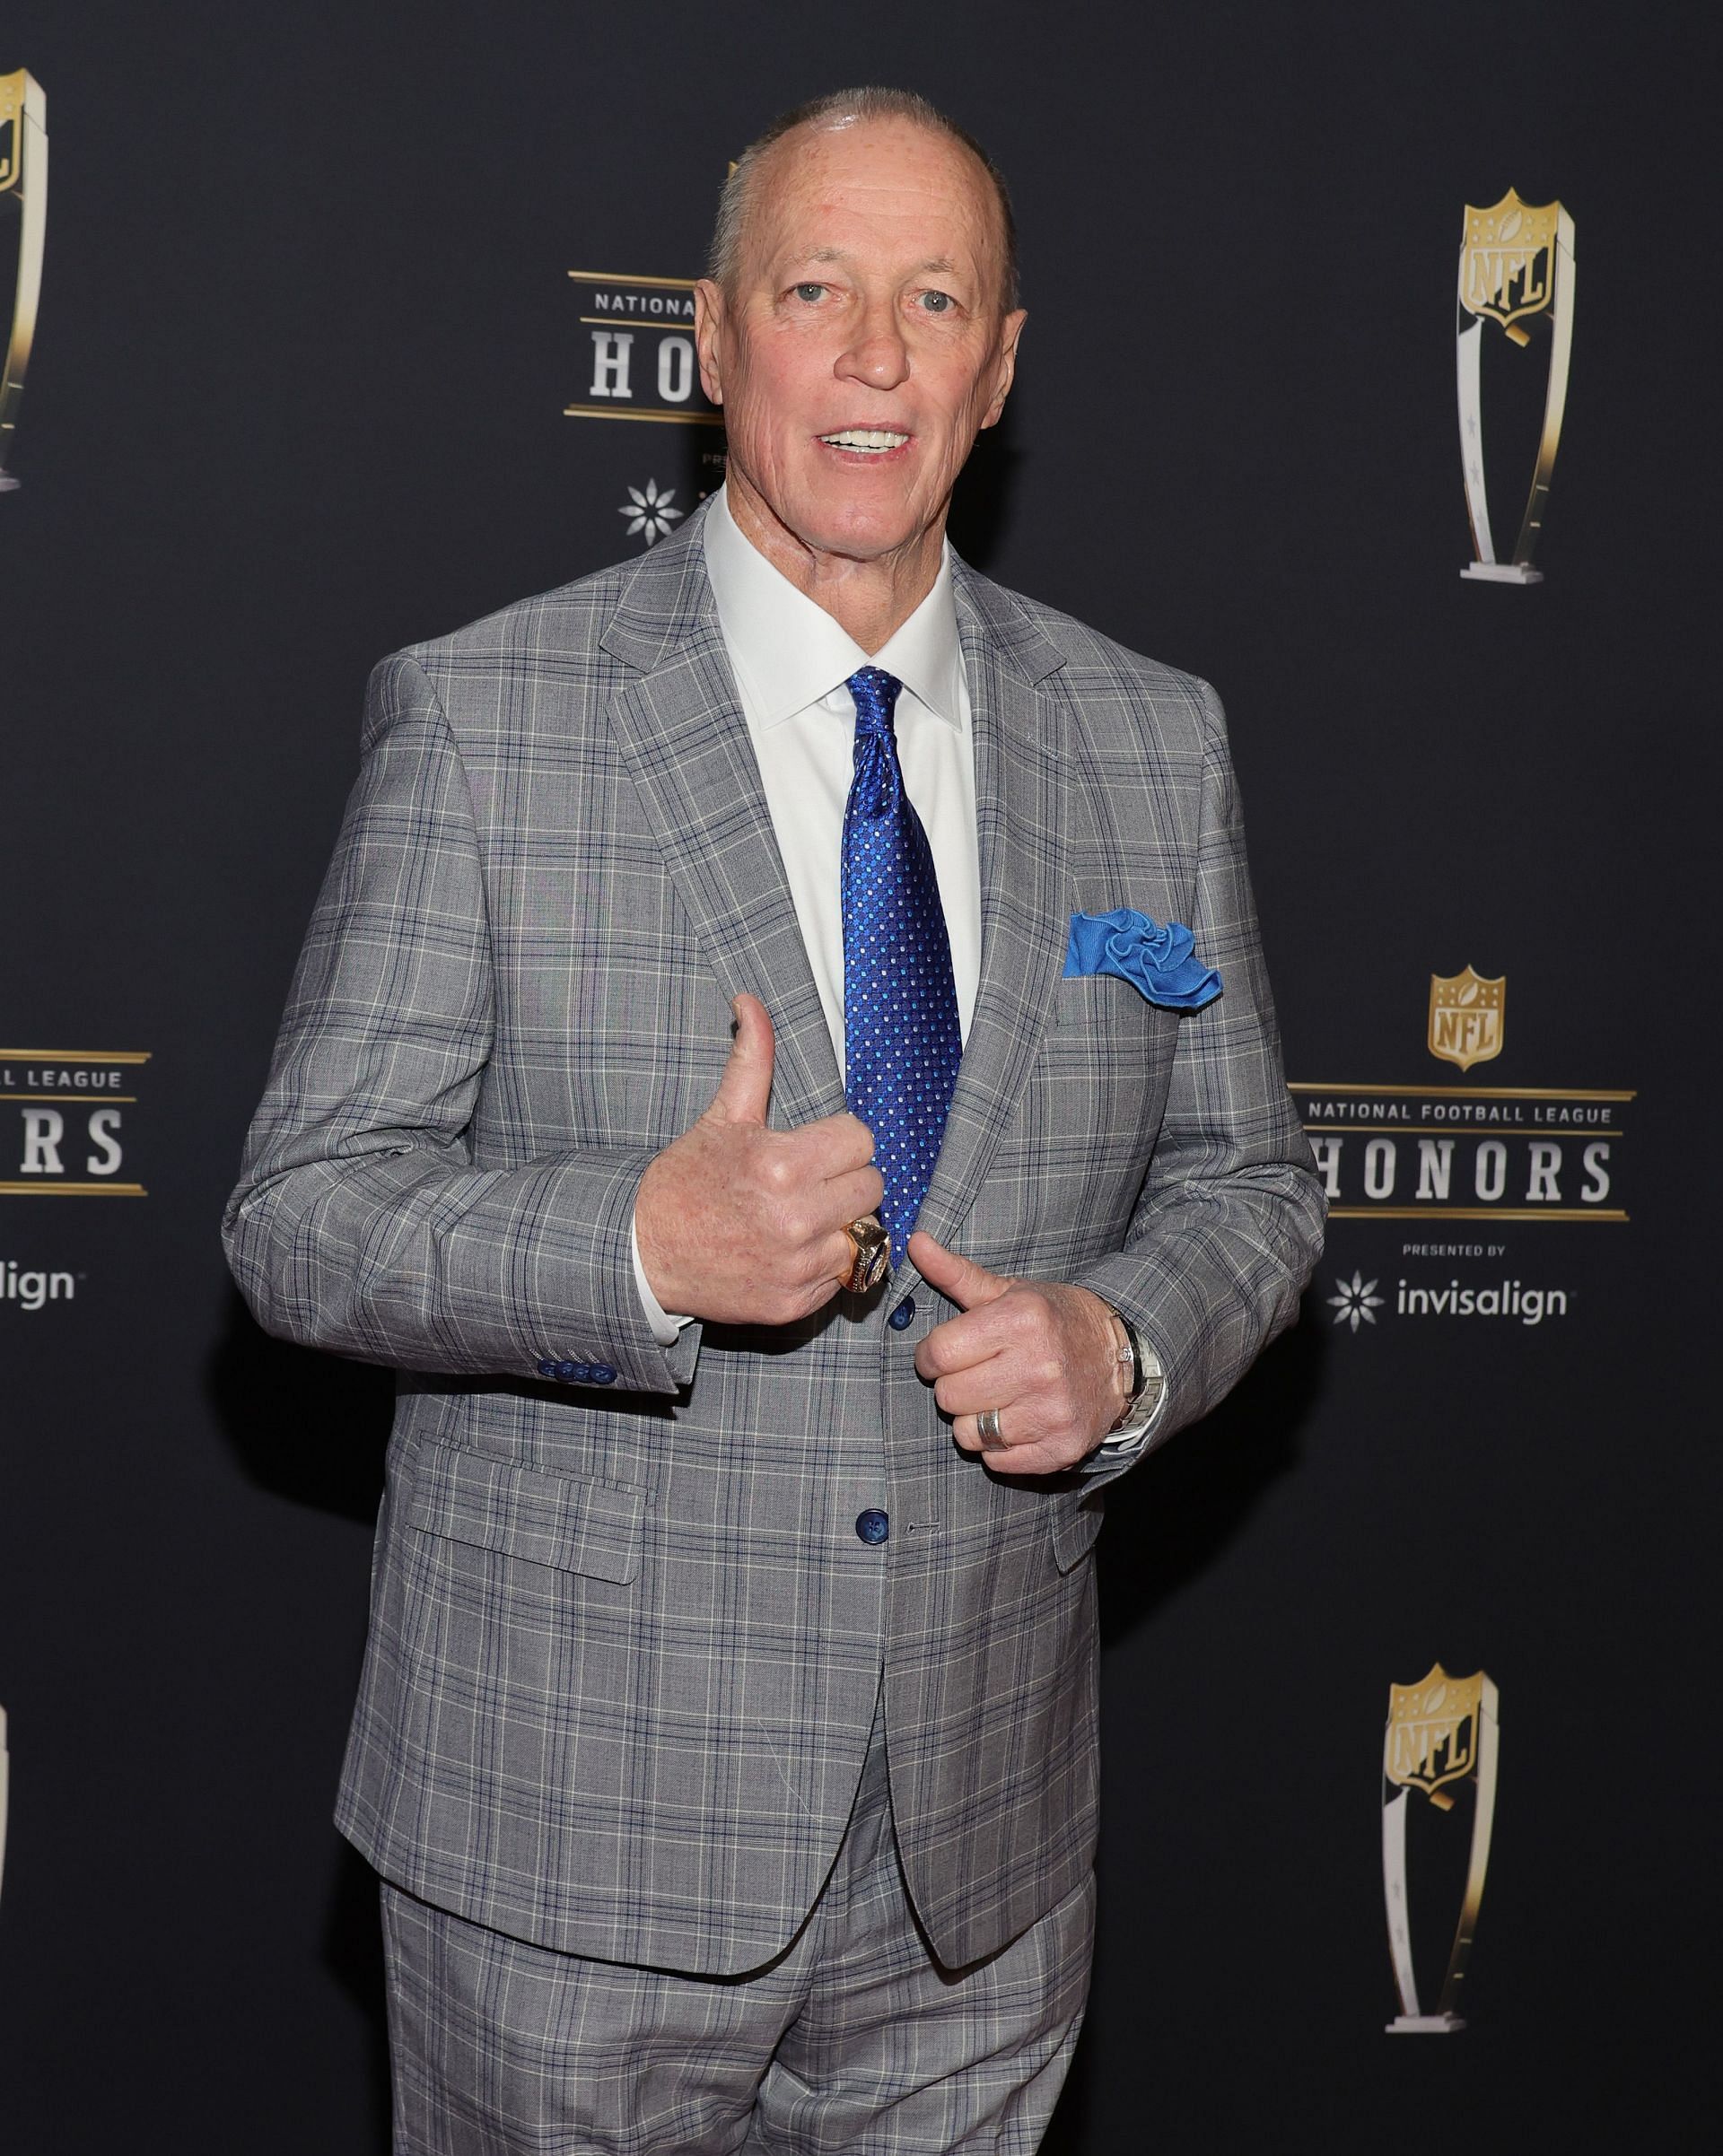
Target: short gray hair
835,110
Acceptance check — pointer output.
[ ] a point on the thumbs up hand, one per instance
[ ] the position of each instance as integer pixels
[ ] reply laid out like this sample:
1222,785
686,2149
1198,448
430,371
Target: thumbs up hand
743,1224
1043,1357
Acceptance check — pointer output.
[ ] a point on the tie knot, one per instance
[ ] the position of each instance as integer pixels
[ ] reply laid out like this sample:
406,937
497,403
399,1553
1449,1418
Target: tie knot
876,694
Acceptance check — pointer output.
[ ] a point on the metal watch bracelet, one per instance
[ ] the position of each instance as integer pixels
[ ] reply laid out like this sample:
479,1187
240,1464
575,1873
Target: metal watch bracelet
1138,1375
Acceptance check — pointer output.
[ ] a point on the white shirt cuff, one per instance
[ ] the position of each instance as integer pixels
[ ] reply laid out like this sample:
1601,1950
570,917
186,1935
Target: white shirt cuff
666,1328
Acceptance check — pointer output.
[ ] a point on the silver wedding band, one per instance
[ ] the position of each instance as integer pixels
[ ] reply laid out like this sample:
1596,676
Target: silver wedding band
987,1426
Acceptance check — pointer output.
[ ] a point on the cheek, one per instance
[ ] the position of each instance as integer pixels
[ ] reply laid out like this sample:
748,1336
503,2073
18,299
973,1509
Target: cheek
779,382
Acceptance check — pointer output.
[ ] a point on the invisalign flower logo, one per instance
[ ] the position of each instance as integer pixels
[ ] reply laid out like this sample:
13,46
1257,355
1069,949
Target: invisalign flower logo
1357,1303
650,513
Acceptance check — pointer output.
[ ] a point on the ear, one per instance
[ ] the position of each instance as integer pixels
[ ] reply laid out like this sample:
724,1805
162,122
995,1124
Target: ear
1011,330
709,324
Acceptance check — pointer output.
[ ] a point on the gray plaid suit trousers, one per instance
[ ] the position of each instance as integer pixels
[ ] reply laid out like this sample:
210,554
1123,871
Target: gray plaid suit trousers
852,2042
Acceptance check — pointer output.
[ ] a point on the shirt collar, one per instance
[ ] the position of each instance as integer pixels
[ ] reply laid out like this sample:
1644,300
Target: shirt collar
789,652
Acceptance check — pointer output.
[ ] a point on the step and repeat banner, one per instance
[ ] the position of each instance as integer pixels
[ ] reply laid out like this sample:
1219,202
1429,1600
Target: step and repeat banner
1368,373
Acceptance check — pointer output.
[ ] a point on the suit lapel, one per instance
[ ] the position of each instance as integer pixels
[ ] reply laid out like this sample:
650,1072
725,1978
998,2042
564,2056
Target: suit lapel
1025,917
680,727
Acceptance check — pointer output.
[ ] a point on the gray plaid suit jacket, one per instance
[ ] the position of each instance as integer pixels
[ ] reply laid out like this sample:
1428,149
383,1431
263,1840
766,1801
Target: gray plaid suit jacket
625,1643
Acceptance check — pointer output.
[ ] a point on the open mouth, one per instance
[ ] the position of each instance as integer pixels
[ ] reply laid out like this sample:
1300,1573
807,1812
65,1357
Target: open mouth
866,441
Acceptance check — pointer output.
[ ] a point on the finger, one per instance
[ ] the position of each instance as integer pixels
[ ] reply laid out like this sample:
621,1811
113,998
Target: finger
1036,1459
983,1384
961,1280
851,1196
967,1430
961,1342
836,1145
836,1262
745,1090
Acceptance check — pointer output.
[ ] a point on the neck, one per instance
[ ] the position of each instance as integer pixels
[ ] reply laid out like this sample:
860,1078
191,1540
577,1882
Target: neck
870,599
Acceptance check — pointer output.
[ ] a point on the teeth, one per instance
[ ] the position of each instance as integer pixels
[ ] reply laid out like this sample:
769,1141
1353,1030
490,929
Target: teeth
865,438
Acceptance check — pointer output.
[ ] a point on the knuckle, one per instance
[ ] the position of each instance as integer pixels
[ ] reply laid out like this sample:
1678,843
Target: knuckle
797,1221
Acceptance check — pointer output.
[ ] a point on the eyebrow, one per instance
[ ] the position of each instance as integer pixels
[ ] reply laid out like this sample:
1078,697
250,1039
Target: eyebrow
940,265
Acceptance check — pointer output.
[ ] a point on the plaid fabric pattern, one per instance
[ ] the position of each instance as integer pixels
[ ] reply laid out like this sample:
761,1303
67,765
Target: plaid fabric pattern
852,2042
625,1640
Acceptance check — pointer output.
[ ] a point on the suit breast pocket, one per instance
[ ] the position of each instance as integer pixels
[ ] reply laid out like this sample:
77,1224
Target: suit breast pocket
1107,1037
570,1525
1073,1159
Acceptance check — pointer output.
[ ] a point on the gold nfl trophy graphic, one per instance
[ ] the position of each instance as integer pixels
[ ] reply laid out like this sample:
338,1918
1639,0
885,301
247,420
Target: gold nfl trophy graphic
23,188
1442,1732
1516,271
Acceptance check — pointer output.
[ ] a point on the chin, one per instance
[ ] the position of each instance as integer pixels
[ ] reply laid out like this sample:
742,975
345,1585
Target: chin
859,528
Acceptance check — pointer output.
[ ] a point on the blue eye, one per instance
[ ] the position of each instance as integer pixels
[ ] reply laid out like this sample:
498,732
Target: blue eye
936,302
809,292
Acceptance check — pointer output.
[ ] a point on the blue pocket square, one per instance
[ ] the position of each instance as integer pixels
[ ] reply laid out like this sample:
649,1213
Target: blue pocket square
1160,961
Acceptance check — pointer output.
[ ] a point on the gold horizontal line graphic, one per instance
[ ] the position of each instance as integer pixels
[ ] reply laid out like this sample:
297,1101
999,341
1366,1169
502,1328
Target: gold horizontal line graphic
1474,1130
1473,1212
616,276
128,1099
71,1055
684,419
49,1188
1475,1093
605,321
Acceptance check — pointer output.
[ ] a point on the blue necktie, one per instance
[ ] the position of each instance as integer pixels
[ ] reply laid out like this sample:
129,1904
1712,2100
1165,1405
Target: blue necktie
902,1044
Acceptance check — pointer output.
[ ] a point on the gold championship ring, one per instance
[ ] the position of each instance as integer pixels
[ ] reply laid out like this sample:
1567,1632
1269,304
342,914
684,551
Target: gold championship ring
870,1249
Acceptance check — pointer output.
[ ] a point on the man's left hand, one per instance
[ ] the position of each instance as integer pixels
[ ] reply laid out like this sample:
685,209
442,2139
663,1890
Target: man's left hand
1042,1355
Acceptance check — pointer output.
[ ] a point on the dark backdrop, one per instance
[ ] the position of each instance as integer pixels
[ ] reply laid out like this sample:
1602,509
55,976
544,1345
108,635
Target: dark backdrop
307,340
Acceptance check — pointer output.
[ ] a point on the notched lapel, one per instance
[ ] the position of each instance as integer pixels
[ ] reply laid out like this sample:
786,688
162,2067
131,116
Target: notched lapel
1018,719
680,728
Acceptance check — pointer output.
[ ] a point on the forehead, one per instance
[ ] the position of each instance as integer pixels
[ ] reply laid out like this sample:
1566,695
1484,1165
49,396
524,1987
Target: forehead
874,185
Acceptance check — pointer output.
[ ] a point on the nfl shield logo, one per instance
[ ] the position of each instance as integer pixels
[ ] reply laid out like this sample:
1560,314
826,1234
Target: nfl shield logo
1465,1017
1508,263
1432,1736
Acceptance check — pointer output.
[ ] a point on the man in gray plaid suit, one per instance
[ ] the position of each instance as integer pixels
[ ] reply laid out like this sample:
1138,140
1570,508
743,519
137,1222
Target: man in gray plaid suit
726,1740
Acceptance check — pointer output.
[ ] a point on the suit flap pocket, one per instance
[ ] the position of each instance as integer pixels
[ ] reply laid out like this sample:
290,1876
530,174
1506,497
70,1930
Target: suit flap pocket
522,1511
1075,1526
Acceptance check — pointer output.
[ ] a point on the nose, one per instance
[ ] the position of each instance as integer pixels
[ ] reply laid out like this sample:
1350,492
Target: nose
879,355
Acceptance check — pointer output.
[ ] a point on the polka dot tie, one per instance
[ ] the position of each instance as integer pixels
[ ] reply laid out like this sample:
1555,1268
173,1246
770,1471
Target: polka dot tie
902,1044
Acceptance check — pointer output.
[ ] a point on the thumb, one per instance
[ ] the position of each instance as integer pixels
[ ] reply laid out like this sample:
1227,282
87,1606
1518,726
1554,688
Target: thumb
745,1089
961,1280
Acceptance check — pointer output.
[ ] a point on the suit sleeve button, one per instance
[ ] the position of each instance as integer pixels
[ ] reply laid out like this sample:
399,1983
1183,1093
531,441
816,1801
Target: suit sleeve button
568,1372
550,1369
601,1373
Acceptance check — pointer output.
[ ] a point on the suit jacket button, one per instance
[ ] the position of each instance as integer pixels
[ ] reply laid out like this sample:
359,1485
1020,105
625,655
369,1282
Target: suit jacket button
550,1369
568,1372
872,1525
601,1373
903,1316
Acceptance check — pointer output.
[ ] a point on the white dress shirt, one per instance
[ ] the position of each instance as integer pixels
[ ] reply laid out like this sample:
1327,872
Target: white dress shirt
791,660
